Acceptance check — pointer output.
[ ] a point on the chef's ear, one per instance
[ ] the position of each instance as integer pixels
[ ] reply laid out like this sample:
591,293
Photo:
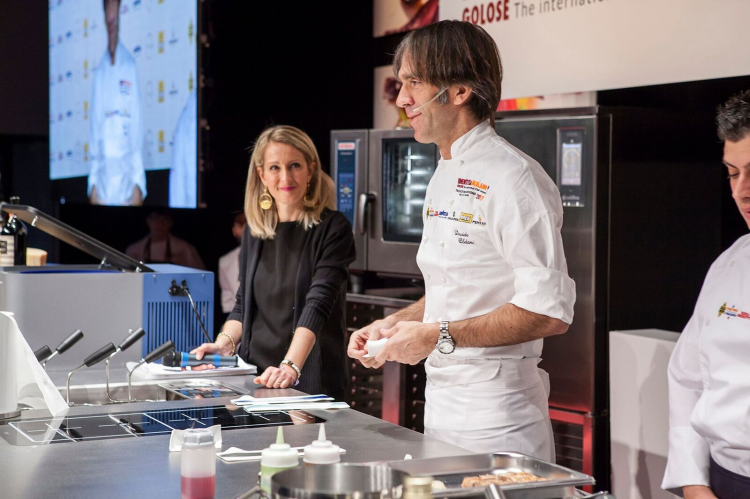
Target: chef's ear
259,169
461,94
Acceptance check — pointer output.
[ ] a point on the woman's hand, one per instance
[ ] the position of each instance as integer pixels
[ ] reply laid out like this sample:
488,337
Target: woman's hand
698,492
277,377
209,348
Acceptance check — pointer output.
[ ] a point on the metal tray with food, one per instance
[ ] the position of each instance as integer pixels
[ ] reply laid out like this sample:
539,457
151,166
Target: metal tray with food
519,476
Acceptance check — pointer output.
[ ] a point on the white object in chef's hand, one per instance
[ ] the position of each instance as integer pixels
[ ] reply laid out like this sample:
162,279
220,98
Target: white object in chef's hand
375,346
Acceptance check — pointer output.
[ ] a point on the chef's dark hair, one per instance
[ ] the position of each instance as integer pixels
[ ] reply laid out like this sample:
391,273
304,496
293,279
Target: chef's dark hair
456,53
733,118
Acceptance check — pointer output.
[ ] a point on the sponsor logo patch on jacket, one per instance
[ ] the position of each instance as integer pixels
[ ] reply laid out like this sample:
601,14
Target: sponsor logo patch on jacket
124,87
471,188
732,312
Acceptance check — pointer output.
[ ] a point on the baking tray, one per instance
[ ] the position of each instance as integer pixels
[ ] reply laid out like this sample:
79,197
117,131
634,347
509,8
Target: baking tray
560,481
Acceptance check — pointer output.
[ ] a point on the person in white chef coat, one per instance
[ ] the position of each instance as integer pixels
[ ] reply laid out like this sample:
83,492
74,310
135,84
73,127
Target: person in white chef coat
229,267
117,176
496,278
709,371
183,174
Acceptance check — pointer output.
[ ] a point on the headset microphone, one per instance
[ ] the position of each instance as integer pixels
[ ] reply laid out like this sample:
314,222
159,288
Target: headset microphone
419,108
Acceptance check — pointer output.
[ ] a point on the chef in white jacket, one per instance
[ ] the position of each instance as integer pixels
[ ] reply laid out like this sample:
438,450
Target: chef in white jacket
496,280
117,176
183,174
709,371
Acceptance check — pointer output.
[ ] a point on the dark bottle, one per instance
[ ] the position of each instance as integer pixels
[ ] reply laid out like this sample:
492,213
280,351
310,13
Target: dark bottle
13,240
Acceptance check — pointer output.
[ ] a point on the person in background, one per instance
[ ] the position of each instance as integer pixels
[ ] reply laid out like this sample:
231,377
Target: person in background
709,371
161,246
289,315
117,176
496,278
183,174
229,267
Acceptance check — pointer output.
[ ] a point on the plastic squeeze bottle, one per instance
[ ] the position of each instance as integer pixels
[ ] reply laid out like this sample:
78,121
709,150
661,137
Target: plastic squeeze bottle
322,451
198,465
276,457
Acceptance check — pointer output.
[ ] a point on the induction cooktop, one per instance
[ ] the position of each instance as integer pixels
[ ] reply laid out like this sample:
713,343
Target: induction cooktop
77,429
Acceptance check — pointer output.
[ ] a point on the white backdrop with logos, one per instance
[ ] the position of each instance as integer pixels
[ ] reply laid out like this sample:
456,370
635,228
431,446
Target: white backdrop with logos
560,46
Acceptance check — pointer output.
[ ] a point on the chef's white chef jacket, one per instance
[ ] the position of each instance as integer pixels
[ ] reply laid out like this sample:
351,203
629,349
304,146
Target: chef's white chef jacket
183,175
229,279
116,136
709,377
492,219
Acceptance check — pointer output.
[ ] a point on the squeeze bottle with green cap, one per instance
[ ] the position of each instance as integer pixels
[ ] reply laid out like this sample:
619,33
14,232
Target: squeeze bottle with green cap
322,451
276,457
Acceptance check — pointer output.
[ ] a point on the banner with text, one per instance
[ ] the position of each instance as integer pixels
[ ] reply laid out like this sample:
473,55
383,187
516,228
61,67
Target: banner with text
560,46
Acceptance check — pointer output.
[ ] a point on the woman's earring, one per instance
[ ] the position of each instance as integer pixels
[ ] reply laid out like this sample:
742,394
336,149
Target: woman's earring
307,200
265,201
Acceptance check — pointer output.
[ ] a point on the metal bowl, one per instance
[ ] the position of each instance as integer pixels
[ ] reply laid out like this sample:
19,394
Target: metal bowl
338,481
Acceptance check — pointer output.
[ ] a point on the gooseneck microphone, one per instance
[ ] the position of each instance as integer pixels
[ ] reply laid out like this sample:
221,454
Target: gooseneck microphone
184,359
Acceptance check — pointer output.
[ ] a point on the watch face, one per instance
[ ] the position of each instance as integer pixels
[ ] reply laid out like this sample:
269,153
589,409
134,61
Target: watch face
446,347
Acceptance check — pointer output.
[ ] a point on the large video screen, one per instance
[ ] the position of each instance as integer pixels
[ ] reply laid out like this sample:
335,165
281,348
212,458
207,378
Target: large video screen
123,105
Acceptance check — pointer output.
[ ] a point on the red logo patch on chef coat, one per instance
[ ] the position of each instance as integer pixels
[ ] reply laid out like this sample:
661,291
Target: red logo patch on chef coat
732,312
471,188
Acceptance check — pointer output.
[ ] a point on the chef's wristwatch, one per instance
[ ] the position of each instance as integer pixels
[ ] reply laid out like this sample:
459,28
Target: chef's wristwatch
445,343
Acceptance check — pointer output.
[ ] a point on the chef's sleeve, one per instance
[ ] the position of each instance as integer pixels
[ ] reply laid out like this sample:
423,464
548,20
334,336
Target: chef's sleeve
525,224
137,172
95,135
688,458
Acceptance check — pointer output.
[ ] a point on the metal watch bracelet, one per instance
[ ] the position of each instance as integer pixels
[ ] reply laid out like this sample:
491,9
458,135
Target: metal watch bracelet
293,366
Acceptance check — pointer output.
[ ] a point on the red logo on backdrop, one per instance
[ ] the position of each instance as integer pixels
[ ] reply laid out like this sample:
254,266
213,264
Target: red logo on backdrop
489,12
346,146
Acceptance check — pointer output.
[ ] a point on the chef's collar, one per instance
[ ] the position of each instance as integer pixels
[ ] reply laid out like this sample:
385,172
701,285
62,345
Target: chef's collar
462,145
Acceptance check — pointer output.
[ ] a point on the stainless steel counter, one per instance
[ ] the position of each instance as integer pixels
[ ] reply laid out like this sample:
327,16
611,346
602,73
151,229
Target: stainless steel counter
144,467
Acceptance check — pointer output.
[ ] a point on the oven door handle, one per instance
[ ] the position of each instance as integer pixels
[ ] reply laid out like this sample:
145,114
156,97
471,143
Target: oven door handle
364,199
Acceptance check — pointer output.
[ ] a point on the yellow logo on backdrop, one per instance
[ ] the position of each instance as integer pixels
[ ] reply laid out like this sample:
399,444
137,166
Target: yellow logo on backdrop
85,110
85,68
161,90
85,28
161,42
190,31
161,140
190,82
85,151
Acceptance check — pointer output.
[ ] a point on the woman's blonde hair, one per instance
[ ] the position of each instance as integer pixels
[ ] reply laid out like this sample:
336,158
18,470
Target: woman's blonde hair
320,194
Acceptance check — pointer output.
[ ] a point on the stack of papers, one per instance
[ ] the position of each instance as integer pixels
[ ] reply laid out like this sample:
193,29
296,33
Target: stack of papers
153,370
303,402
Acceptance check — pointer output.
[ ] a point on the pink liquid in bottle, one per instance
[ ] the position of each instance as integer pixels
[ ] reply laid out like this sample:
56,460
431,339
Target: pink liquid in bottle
198,487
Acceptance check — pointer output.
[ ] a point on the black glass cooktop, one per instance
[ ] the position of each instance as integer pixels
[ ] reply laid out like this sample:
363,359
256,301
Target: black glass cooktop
142,424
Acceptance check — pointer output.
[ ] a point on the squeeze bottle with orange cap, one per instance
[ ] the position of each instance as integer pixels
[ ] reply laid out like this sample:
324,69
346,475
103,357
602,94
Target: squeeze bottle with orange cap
322,451
276,457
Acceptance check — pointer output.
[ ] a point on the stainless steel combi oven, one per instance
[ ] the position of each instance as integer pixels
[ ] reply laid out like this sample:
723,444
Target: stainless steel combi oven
381,178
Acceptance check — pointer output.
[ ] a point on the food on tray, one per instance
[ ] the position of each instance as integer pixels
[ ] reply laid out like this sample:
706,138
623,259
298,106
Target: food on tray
438,485
500,479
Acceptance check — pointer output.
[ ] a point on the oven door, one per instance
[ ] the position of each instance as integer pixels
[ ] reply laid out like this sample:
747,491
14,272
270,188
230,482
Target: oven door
399,171
349,173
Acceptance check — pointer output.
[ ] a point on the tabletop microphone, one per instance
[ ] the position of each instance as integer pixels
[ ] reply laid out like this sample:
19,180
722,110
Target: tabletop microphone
184,359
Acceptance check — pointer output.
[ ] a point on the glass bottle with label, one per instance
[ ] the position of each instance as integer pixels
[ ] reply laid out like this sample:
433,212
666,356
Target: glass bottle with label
13,240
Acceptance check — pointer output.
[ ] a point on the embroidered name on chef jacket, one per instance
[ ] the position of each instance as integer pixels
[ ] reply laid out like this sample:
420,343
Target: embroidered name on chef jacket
732,312
471,188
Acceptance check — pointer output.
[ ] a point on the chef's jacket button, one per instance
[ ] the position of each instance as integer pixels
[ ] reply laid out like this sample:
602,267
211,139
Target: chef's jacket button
708,386
731,264
428,277
425,239
450,202
442,244
444,280
708,322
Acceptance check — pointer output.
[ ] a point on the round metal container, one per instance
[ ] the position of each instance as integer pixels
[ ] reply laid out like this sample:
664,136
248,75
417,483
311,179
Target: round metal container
338,481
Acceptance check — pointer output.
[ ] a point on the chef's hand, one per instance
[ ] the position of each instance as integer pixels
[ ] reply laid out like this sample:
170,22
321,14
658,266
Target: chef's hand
209,348
359,338
698,492
277,377
409,342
